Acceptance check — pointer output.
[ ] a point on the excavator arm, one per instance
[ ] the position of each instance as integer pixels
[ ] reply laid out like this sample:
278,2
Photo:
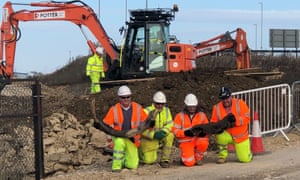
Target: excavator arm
76,12
224,42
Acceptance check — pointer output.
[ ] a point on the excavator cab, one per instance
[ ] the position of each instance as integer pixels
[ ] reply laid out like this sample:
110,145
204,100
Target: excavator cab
144,49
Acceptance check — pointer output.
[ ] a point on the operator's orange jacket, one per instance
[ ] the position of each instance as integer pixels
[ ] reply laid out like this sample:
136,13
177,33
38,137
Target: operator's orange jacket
241,112
114,118
183,122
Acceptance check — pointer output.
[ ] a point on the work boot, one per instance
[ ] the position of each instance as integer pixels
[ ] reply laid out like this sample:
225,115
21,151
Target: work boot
164,164
221,161
116,170
199,163
108,151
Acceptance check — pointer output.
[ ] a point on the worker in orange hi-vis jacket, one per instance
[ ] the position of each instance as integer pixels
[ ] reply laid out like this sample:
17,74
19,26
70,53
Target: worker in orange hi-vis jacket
123,116
238,113
193,146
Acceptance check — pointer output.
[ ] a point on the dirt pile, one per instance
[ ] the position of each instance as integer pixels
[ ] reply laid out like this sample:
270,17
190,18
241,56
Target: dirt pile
204,82
175,86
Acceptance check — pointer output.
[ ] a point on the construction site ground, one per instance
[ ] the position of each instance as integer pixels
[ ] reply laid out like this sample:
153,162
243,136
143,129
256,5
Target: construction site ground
281,160
67,90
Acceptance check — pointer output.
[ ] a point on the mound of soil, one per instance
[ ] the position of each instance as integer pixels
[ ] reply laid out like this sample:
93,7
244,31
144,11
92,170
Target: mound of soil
175,86
204,81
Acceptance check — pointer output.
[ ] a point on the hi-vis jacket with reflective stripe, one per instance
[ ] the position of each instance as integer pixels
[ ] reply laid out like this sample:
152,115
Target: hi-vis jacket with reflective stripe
114,118
241,112
163,121
94,64
183,122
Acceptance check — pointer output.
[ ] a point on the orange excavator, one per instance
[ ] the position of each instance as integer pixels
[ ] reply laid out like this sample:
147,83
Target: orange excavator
148,46
76,12
225,42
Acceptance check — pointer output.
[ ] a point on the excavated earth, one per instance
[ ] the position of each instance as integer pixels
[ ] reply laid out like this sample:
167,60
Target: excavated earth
68,88
68,118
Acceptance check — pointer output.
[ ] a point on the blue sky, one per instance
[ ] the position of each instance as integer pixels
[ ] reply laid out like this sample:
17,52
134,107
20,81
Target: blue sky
47,46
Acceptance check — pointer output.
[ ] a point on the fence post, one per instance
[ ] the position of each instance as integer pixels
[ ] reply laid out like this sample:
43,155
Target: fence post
38,130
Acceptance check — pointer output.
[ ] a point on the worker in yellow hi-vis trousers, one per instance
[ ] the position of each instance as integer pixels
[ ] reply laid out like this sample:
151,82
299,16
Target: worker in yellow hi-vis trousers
95,70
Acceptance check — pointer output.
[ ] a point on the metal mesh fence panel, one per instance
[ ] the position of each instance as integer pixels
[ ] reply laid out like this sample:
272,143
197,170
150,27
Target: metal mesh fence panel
296,102
17,158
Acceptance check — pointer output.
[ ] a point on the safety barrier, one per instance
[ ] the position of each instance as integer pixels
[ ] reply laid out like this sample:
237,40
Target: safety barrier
296,104
273,106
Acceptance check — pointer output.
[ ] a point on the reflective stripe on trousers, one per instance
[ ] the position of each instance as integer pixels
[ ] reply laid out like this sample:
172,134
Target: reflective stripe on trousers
125,154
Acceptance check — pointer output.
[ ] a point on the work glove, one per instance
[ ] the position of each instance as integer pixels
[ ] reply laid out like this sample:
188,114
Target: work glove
189,133
159,135
152,123
132,140
230,118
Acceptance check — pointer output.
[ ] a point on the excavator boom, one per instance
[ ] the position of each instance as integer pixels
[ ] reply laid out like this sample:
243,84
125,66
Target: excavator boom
224,42
76,12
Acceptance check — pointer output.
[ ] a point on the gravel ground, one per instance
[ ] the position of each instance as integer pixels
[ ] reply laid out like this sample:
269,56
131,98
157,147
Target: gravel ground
281,160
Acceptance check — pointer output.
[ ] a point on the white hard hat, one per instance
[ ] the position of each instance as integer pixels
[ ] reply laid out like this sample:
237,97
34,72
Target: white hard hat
124,91
99,50
159,97
191,100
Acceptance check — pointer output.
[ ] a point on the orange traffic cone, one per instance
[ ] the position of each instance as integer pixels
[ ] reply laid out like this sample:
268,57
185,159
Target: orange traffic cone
256,140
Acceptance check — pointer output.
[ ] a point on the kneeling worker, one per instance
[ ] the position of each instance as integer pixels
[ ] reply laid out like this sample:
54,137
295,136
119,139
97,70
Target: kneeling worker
193,146
159,134
237,134
123,116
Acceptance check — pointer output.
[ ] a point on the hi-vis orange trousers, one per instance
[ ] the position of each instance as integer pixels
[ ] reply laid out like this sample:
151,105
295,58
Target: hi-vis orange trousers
193,151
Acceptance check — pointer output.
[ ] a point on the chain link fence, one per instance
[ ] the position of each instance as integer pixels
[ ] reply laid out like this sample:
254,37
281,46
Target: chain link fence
21,154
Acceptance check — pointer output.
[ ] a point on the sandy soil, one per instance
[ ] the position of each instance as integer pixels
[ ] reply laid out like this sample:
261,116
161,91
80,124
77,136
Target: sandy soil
281,160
